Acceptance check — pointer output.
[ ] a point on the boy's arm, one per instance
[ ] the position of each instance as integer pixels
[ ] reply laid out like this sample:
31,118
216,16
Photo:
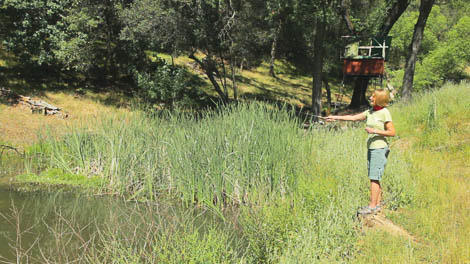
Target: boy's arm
388,132
356,117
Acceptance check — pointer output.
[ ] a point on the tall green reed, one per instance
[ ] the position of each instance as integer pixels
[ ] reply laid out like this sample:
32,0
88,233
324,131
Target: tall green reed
241,151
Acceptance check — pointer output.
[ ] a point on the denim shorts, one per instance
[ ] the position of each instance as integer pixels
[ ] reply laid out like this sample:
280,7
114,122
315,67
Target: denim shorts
376,161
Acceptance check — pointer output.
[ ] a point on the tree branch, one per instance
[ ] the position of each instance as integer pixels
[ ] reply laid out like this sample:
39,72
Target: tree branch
392,15
344,12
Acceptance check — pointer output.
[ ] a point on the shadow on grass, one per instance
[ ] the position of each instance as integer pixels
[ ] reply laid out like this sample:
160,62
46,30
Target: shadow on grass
268,92
277,79
36,81
288,69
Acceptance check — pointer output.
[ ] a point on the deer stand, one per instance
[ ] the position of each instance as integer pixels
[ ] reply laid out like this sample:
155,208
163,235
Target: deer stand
363,64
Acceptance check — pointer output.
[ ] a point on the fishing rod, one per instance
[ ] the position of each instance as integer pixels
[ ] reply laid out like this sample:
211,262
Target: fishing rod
321,117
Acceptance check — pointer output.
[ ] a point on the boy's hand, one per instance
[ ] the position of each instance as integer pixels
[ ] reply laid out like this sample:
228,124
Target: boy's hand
330,118
370,130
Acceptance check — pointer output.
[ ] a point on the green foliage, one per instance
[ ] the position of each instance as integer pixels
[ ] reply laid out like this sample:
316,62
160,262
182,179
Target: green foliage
192,247
167,84
57,176
448,61
74,46
183,246
368,16
32,26
70,37
152,24
229,153
103,42
156,233
442,56
227,34
402,33
269,230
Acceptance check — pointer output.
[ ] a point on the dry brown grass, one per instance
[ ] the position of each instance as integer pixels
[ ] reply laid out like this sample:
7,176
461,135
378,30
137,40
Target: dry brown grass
20,127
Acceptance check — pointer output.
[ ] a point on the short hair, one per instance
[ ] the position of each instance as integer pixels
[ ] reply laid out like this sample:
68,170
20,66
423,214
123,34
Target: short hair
382,97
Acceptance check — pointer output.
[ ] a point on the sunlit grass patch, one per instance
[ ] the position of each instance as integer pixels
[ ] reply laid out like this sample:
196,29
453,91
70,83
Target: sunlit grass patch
440,214
178,60
258,82
6,58
60,177
382,247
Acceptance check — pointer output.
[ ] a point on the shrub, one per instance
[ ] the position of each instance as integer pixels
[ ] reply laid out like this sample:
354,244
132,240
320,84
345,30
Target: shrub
162,84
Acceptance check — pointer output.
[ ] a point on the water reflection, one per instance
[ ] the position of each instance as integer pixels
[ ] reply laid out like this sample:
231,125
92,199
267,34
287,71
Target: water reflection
64,227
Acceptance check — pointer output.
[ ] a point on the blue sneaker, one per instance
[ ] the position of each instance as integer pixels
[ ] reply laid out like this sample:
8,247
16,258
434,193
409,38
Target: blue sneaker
366,210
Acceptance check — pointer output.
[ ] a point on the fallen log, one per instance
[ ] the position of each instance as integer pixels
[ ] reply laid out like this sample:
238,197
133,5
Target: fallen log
9,96
36,106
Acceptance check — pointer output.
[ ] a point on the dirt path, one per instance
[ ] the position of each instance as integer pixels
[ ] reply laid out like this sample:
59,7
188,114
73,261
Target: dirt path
379,221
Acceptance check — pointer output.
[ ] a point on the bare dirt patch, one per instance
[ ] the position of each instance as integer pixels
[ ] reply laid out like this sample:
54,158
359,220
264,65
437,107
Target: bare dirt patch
380,222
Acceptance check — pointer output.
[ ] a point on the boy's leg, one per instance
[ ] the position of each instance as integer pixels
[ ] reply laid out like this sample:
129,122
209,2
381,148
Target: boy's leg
379,199
375,193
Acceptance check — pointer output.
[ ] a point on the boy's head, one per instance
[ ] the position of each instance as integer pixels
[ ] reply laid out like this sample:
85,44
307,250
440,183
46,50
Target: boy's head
382,97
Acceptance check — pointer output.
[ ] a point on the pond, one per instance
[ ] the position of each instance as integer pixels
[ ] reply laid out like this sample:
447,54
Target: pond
62,227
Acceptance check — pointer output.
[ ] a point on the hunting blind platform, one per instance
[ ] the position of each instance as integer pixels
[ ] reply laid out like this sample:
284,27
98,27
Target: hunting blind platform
367,60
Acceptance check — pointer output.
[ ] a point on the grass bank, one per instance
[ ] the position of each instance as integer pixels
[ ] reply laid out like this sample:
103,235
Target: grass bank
295,190
434,135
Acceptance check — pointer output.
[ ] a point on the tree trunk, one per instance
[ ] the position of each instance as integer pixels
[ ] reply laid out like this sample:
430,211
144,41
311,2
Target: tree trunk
208,66
393,14
318,67
241,65
223,78
360,84
234,80
111,65
344,11
424,10
273,49
359,96
328,92
216,86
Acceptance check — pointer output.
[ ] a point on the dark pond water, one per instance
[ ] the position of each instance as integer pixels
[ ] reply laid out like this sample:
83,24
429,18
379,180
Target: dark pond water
38,224
35,226
30,220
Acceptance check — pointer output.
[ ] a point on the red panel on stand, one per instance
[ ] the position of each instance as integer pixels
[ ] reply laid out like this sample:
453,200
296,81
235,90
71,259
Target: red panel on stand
363,67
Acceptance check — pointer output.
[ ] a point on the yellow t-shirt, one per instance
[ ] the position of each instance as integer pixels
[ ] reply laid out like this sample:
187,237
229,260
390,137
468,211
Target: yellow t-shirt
377,120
